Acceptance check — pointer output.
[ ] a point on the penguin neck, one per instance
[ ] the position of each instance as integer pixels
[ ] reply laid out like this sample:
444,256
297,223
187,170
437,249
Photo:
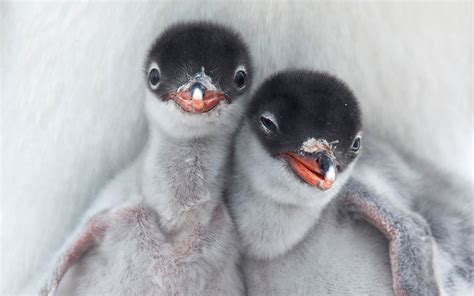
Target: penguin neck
267,228
182,179
272,211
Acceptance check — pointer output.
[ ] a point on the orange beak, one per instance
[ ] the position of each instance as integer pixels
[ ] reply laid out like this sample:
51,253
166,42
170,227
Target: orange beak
197,104
318,172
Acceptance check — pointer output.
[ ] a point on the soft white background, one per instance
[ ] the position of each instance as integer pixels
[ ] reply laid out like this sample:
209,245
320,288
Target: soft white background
72,85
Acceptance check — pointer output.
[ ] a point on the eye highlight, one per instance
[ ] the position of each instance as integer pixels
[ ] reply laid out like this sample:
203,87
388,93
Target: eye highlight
356,144
154,76
268,123
240,78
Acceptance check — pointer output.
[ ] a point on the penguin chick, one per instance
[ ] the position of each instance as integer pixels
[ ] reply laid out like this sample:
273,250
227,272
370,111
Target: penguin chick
160,227
295,154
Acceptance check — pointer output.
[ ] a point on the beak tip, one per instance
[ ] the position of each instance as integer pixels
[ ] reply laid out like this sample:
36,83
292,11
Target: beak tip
197,94
331,174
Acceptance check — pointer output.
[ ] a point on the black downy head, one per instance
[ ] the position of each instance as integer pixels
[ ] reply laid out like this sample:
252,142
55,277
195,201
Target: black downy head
198,65
311,120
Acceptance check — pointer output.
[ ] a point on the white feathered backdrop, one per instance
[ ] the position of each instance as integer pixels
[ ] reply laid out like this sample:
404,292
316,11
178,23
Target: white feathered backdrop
72,87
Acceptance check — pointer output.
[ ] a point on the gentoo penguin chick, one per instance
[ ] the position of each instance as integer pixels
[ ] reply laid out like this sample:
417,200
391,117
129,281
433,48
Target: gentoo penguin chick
295,155
160,227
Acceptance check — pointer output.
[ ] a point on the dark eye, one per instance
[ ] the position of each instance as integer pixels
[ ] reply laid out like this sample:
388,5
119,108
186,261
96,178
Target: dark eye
268,123
356,144
240,78
154,77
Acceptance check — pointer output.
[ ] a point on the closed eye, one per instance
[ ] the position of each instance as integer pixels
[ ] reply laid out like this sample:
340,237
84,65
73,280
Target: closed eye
356,144
268,123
